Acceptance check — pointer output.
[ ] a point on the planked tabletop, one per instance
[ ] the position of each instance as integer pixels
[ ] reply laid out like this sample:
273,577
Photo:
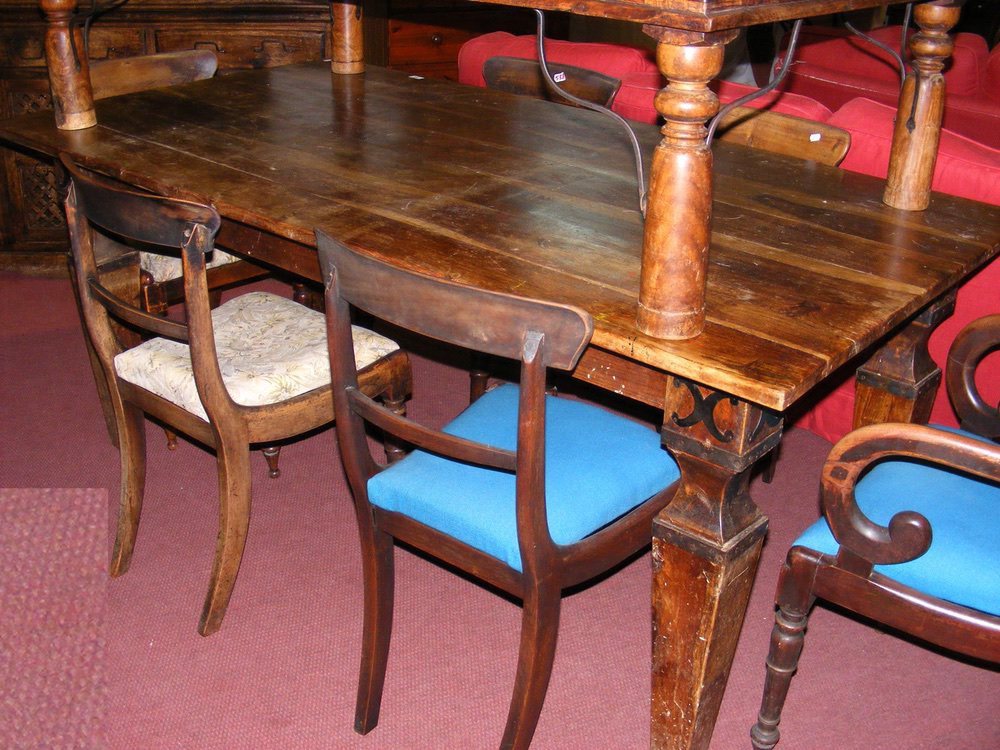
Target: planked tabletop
807,266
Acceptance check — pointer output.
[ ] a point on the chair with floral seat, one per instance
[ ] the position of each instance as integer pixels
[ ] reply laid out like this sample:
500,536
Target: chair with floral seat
528,492
254,370
910,534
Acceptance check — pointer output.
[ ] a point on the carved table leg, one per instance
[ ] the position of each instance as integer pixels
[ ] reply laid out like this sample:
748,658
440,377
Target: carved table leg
69,71
679,203
706,546
900,382
921,105
348,55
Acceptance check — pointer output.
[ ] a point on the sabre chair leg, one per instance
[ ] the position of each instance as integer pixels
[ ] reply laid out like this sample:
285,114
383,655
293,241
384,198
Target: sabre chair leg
234,520
379,582
132,447
539,631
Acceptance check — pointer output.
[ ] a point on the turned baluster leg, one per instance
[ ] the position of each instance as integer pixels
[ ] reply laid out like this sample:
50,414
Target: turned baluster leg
679,204
706,545
921,105
794,600
348,55
69,73
899,383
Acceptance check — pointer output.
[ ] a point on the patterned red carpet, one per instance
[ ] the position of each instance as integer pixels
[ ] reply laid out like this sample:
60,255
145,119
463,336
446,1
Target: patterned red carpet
281,672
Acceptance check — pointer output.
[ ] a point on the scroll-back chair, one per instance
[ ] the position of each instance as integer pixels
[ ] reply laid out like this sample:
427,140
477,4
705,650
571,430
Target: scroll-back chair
254,370
525,491
911,543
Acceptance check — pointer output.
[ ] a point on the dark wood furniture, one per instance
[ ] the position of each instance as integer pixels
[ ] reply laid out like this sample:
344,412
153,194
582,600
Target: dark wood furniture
499,493
808,269
931,515
422,37
242,35
95,206
418,36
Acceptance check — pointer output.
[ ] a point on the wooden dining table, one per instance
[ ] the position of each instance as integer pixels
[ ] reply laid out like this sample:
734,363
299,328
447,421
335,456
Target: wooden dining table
808,270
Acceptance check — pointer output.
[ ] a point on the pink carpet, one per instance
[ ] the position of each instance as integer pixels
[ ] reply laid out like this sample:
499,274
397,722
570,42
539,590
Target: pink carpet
53,595
281,672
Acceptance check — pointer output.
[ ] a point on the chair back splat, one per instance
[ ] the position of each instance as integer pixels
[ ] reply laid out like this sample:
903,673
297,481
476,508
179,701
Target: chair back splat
528,492
218,378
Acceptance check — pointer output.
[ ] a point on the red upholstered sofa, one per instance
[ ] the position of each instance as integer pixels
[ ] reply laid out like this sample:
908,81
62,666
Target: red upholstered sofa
834,66
964,167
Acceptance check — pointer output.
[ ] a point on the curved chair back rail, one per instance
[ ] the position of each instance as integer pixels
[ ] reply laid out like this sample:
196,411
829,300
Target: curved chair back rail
517,76
526,491
785,134
126,75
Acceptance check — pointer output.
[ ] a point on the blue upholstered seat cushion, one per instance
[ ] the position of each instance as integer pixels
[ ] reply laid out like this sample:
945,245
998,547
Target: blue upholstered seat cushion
963,562
598,467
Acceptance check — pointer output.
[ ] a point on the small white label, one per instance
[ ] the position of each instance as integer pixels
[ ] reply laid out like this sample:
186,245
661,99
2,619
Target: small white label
815,137
559,77
417,78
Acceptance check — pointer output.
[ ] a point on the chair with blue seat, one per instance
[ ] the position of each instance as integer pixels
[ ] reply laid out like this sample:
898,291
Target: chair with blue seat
525,491
911,534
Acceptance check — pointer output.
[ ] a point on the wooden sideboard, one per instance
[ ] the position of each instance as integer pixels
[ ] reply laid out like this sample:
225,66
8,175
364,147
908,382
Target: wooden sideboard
420,36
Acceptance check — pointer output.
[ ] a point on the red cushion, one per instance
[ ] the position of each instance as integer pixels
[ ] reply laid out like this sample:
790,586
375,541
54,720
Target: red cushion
992,86
964,167
638,91
776,101
846,56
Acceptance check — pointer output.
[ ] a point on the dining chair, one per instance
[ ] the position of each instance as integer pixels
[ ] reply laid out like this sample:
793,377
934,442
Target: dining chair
525,491
910,534
160,280
254,370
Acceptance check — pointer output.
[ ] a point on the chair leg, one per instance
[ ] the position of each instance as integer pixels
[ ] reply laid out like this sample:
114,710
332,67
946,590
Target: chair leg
394,399
539,630
234,520
787,638
770,463
379,582
271,454
131,427
171,439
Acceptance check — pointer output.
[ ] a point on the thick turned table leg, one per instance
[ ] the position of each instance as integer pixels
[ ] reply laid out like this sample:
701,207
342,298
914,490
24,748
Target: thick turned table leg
69,71
921,105
679,203
348,54
706,546
899,383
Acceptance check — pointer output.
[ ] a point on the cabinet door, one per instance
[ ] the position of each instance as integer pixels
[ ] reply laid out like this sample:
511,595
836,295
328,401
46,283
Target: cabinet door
247,46
31,218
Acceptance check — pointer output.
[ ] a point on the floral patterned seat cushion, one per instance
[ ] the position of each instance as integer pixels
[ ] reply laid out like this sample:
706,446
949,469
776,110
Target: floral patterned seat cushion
166,267
270,350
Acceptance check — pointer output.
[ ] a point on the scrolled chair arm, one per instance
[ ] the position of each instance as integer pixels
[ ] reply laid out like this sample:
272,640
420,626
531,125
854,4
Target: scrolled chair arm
971,345
908,534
